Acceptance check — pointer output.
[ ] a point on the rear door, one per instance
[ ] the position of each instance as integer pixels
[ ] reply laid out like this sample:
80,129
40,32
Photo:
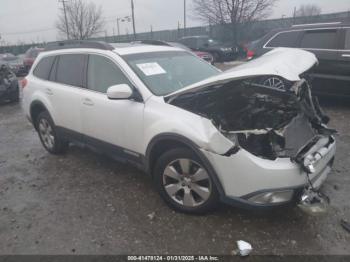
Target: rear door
68,75
343,65
344,54
324,44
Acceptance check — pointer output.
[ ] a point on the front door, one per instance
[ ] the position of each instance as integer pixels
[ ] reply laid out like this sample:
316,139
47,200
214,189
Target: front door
116,126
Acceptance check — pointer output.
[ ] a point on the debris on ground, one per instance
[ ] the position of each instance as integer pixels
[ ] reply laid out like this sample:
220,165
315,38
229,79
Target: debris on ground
313,202
151,215
345,225
244,248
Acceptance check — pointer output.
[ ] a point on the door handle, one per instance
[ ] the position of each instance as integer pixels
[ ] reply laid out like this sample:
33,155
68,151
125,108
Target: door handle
88,102
345,55
48,91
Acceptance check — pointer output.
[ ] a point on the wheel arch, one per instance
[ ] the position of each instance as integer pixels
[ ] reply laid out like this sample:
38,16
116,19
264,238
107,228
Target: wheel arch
167,141
36,107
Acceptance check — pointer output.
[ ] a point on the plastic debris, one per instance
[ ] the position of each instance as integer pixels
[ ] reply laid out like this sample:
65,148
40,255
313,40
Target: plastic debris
151,215
244,248
345,225
313,202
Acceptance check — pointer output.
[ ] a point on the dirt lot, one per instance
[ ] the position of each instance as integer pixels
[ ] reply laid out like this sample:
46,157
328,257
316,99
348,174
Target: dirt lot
84,203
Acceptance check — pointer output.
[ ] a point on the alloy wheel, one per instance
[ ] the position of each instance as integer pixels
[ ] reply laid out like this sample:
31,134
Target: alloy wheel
274,82
187,182
46,133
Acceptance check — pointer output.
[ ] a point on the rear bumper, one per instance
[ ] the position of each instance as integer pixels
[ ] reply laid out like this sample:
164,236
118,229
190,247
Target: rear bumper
244,176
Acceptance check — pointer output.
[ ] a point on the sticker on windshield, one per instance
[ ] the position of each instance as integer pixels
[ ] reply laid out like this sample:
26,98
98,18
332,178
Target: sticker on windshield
151,69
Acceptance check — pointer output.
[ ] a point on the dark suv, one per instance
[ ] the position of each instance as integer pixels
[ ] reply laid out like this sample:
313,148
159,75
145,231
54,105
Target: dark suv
330,42
219,50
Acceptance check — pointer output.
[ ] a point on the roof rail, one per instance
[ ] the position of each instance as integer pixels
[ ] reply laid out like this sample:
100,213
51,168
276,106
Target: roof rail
317,24
78,44
152,42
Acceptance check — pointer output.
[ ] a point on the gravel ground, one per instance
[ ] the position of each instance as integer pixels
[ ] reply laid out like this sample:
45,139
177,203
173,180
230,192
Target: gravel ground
85,203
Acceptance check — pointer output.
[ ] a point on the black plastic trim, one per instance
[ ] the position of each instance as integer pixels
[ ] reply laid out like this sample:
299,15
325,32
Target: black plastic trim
118,153
175,137
73,44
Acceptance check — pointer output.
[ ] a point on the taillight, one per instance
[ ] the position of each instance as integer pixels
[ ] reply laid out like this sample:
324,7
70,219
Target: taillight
250,54
23,82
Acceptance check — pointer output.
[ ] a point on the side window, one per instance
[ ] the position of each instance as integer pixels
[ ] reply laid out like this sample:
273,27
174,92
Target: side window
347,39
319,39
103,73
42,70
70,69
286,39
191,42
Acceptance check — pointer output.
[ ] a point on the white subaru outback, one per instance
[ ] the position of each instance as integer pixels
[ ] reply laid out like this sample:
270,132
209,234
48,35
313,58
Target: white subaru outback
252,136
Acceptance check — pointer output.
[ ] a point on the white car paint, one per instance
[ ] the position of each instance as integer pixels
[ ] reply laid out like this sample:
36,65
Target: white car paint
133,125
288,63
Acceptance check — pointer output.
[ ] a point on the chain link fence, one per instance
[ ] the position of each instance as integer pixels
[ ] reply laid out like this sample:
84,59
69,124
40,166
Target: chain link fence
246,32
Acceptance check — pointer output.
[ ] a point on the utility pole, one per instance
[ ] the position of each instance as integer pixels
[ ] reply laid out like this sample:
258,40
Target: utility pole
133,18
184,17
118,27
65,16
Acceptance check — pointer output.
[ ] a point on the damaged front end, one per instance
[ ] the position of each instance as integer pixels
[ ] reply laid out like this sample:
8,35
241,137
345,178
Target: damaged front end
269,122
7,81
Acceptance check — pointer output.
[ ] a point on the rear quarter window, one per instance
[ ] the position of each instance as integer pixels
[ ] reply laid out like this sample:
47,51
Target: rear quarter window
70,69
42,70
319,39
284,39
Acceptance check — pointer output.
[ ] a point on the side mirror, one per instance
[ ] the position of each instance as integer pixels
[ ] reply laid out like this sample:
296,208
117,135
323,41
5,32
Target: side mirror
122,91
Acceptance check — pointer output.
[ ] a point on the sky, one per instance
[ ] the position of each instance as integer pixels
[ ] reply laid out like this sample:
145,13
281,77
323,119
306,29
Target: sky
34,20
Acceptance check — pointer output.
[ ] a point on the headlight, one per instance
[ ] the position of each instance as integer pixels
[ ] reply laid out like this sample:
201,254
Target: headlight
272,197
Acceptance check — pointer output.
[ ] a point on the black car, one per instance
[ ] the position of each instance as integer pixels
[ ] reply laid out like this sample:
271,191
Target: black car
330,42
9,89
219,50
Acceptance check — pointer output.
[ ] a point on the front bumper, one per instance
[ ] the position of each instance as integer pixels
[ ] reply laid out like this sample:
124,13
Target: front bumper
244,176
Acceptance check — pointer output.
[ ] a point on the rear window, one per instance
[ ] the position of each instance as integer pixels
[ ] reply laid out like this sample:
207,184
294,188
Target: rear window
42,70
285,39
70,69
319,39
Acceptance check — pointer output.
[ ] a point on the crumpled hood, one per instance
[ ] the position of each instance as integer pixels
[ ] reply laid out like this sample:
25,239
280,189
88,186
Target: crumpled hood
288,63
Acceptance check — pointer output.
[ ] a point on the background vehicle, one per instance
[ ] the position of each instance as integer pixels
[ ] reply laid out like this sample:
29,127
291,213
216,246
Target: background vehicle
9,89
8,57
330,42
204,55
30,56
220,51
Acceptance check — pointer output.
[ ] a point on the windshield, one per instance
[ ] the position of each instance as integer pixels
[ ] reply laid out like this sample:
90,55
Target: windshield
166,72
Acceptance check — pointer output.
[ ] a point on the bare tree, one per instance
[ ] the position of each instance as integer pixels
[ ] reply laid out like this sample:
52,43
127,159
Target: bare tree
308,10
83,20
232,12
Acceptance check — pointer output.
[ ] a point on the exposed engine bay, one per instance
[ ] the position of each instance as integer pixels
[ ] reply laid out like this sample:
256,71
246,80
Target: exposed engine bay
266,121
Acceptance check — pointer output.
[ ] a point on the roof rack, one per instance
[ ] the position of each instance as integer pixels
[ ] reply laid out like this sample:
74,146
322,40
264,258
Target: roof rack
318,24
69,44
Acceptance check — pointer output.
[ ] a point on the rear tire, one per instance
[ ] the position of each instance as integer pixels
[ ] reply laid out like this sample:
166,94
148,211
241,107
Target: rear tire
184,183
48,135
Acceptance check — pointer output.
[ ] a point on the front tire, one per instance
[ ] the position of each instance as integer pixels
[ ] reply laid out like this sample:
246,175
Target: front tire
48,134
184,183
